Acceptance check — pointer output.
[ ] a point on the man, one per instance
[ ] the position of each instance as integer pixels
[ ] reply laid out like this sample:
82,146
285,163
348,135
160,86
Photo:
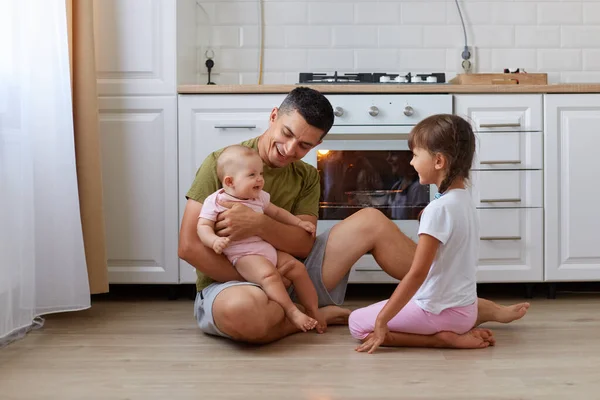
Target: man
228,307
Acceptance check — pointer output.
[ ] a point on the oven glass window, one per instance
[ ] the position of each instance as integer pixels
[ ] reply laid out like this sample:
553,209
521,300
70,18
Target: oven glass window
385,180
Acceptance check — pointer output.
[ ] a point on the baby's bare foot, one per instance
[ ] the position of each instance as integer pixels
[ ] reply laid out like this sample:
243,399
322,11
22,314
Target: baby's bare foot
301,320
476,338
508,314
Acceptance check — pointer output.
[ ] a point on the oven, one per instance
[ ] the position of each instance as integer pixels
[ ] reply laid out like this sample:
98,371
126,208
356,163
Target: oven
364,161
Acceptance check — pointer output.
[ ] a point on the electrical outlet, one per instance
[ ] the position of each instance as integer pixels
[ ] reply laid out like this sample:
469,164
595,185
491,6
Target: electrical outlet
209,52
467,60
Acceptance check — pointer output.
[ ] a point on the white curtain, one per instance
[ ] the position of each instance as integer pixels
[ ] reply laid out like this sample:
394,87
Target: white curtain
42,262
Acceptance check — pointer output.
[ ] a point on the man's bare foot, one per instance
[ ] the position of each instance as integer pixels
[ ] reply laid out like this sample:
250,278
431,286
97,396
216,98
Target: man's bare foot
301,320
506,314
476,338
321,322
335,315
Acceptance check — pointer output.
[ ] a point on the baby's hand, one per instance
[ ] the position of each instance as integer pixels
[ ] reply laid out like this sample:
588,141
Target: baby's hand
307,226
219,244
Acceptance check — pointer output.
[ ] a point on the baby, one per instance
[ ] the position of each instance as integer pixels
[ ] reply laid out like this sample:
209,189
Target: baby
240,170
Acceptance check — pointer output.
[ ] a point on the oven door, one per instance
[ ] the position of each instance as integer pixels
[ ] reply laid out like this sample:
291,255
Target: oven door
360,170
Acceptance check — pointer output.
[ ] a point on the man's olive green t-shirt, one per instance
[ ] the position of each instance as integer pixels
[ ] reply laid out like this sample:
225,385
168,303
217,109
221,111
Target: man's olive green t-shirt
294,188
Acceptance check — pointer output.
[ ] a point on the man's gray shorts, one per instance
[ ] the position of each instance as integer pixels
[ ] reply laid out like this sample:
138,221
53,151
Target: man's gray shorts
314,264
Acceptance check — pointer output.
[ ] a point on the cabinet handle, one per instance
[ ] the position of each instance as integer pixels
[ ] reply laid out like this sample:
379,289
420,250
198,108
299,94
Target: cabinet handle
500,162
500,200
238,126
501,125
500,238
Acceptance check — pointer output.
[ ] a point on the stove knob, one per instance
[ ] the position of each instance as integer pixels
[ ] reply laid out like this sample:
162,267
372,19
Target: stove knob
408,111
373,111
338,112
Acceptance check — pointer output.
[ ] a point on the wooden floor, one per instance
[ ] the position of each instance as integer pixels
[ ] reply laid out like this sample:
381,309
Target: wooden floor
151,349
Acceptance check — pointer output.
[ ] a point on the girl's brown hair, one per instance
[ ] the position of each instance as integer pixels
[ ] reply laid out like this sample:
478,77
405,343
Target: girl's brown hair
451,136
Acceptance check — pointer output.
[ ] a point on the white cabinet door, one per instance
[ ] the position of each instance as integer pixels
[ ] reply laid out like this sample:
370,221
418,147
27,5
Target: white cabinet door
572,141
135,44
139,174
208,123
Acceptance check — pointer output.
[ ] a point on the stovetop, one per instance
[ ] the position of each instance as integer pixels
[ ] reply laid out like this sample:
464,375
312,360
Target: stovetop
372,78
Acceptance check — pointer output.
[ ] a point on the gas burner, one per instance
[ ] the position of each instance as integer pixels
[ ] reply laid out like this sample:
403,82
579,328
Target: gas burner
371,78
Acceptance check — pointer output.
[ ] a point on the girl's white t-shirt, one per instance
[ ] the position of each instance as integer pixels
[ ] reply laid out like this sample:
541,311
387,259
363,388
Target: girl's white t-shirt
452,281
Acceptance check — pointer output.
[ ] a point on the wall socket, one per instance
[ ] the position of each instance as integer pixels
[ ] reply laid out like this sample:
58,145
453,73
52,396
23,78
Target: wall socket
204,53
467,62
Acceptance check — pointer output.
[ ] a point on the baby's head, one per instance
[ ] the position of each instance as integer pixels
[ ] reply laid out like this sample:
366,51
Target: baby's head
443,146
240,170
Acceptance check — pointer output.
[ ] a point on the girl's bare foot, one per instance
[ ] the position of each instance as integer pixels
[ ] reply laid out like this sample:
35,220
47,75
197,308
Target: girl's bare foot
476,338
508,314
301,320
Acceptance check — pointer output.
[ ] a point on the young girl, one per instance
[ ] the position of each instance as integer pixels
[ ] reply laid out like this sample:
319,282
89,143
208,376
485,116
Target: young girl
240,170
439,292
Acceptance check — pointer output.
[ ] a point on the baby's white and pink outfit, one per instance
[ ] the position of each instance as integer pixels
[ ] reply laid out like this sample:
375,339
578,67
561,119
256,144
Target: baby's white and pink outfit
253,245
447,300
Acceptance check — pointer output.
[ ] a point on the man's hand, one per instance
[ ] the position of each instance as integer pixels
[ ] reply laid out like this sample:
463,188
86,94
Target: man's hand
307,226
237,223
220,244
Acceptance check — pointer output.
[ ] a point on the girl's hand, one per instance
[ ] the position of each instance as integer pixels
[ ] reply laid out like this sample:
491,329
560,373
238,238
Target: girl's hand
375,339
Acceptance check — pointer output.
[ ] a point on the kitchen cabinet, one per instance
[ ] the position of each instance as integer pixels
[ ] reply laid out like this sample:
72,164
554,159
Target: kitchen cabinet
531,177
135,47
139,172
135,54
506,183
572,140
208,123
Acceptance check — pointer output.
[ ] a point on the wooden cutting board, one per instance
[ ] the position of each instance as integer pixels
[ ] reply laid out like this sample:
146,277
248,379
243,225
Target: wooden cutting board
501,79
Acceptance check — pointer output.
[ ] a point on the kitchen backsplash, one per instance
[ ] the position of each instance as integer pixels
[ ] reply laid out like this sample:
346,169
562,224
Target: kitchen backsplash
561,38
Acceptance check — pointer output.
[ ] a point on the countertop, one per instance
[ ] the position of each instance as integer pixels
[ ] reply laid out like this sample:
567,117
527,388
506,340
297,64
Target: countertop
394,88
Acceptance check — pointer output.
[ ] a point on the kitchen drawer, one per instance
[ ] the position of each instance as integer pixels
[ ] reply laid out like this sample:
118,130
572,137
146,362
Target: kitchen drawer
502,189
500,112
508,150
511,245
361,276
366,270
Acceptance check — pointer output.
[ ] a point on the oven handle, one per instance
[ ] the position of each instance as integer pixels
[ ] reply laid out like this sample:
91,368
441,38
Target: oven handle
366,136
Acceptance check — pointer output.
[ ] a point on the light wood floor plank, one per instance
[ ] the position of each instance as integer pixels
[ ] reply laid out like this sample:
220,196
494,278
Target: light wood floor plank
151,349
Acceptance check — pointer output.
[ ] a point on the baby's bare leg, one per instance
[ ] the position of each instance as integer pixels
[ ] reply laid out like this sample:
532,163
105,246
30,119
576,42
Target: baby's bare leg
295,271
259,270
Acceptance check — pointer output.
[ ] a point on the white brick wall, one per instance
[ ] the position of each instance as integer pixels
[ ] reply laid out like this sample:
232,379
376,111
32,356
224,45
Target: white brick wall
558,37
